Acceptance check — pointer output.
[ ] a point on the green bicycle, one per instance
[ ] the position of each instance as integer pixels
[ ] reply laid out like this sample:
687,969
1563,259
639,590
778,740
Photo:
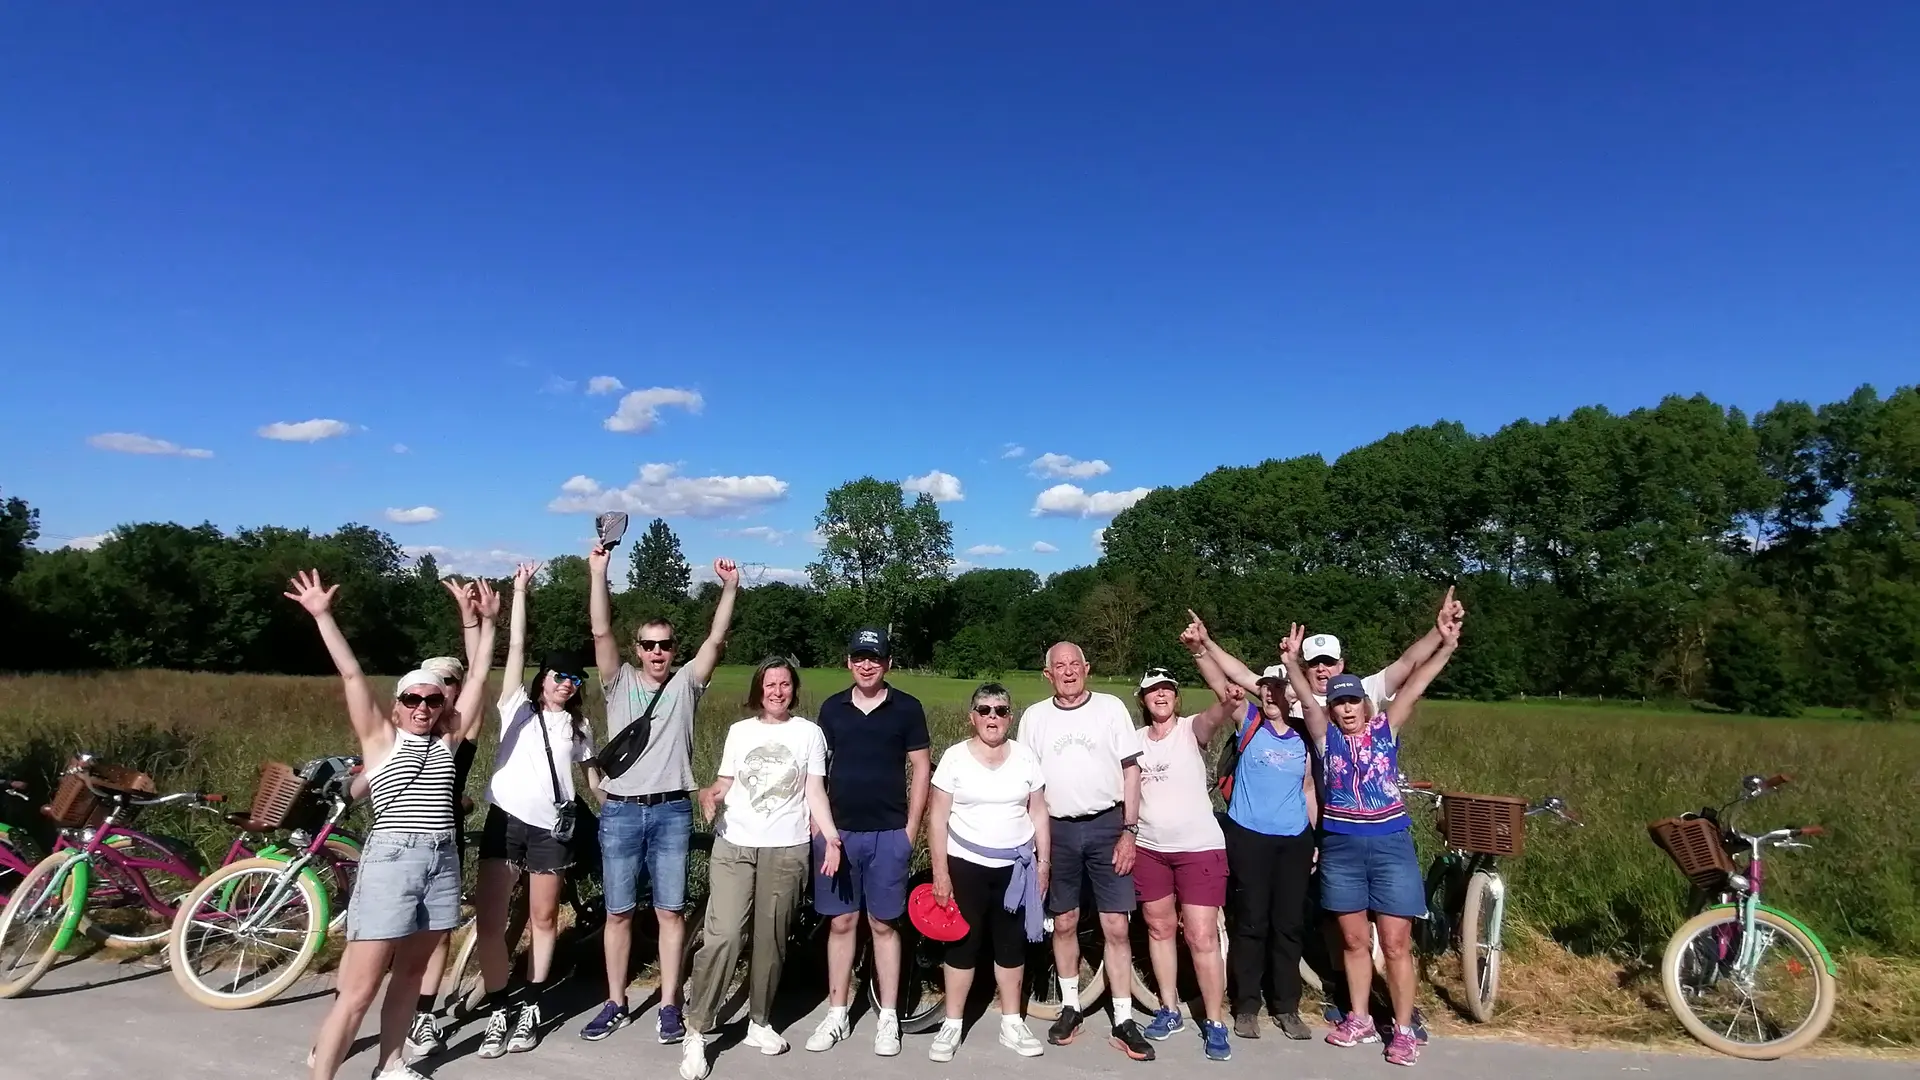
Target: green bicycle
1746,979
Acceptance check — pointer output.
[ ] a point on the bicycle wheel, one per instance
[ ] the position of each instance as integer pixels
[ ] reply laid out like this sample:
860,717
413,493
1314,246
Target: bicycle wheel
1479,958
337,871
1777,1006
921,999
246,933
469,984
31,925
1043,983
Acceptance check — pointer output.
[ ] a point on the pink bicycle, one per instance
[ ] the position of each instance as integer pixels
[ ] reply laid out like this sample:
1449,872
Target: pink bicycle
104,880
17,854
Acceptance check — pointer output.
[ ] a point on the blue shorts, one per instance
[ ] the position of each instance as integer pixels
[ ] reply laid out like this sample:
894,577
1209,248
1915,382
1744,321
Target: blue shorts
872,877
1378,873
645,845
405,882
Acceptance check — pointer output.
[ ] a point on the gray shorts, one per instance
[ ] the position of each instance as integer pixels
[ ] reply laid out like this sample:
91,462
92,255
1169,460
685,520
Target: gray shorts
1083,865
407,882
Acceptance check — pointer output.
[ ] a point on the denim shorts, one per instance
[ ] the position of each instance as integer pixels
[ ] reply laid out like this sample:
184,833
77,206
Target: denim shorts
1378,873
406,882
872,877
645,845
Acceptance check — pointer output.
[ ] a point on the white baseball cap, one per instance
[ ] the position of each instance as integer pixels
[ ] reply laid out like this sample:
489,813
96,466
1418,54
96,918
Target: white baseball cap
1157,677
1320,645
1276,672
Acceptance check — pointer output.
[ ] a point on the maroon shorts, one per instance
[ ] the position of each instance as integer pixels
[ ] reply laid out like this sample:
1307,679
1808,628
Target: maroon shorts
1193,877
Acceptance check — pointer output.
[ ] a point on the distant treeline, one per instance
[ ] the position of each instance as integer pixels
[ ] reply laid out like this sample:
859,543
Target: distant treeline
1679,551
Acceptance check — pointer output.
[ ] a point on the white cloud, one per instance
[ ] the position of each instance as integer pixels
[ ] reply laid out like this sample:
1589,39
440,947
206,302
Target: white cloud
640,410
944,487
88,543
1062,467
816,538
1041,547
418,515
469,562
986,549
401,448
1011,451
759,532
604,384
1100,540
123,442
304,430
660,491
961,566
1066,500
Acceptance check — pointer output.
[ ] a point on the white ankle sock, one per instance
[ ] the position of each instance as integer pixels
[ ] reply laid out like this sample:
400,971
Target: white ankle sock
1070,991
1122,1010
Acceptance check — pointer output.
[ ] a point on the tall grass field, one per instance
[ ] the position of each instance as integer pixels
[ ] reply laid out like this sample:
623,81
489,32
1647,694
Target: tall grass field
1589,910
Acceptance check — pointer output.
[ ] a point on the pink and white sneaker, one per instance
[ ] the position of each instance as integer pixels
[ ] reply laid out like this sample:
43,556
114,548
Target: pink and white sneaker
1353,1031
1404,1049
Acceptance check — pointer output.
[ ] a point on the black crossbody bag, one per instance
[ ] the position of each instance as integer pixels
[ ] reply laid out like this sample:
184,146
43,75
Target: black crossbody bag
626,747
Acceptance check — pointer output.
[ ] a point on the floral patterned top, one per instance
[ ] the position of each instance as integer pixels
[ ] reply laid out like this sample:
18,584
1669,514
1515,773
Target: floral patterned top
1362,788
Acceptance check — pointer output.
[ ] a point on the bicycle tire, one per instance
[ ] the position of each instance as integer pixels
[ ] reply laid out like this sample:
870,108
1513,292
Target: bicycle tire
1681,948
167,887
47,914
191,932
1043,984
1479,962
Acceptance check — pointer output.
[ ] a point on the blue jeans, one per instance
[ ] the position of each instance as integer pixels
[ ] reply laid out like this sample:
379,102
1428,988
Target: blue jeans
641,846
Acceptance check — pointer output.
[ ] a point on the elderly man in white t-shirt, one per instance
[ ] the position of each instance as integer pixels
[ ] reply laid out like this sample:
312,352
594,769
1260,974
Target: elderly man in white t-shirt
1322,659
1089,752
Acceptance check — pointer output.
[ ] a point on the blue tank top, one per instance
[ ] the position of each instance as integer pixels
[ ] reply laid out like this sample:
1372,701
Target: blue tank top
1361,782
1266,784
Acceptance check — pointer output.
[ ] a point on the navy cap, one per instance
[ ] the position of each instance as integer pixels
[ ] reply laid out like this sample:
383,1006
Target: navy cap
1345,686
870,640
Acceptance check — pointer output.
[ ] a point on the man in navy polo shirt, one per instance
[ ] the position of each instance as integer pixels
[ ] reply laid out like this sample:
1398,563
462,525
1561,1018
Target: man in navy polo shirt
873,732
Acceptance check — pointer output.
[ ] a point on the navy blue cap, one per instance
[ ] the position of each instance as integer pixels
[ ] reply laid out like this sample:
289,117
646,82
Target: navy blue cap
1345,686
871,640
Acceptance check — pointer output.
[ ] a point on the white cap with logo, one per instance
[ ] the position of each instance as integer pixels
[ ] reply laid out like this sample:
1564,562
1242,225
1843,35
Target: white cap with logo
1320,645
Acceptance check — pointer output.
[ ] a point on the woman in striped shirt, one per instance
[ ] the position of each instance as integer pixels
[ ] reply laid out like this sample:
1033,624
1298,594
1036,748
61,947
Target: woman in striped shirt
1368,869
407,893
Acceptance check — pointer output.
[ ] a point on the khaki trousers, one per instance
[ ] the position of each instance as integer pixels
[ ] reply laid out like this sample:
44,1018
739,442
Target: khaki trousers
764,885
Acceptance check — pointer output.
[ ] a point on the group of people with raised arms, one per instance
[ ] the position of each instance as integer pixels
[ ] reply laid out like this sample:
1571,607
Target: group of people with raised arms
1072,808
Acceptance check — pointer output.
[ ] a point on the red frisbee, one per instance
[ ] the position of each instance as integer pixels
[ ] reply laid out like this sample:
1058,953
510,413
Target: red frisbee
936,922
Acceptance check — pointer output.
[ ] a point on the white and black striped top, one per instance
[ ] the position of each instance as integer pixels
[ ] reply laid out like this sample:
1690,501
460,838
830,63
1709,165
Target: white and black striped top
412,790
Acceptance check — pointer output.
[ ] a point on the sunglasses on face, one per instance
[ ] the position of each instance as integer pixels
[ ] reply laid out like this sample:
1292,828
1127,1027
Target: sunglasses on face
414,701
653,645
1322,661
562,676
993,710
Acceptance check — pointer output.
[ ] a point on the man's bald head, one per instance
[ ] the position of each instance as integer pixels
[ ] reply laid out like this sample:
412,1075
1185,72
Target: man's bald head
1067,672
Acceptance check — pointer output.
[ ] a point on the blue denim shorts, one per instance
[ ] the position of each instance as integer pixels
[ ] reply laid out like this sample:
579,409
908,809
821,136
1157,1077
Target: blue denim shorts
1379,873
643,846
872,877
406,882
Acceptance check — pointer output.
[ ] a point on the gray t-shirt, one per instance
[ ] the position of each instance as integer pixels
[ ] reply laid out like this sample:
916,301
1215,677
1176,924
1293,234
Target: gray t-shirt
667,762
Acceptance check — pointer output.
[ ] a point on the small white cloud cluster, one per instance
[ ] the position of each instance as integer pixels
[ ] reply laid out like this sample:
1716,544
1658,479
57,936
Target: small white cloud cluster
660,491
943,487
1062,467
639,411
304,430
126,442
418,515
1068,500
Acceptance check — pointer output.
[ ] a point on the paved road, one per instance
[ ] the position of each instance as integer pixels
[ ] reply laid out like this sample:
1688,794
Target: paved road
90,1021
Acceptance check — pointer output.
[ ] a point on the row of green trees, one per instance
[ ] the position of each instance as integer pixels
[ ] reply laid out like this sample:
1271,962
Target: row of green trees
1683,550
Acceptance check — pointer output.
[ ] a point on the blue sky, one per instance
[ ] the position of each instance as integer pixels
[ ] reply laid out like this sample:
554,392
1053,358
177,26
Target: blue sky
822,241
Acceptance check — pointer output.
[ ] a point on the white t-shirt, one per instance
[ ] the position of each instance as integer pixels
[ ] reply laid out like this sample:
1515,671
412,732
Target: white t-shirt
1081,751
1176,807
770,763
521,784
989,803
1375,685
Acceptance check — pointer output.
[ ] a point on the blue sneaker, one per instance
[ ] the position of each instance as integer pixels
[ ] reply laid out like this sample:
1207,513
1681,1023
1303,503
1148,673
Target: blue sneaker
612,1018
1165,1023
671,1028
1218,1049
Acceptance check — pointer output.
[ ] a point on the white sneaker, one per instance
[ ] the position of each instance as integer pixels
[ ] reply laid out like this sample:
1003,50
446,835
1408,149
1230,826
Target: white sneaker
886,1035
526,1030
946,1042
1017,1037
693,1056
400,1072
765,1038
831,1030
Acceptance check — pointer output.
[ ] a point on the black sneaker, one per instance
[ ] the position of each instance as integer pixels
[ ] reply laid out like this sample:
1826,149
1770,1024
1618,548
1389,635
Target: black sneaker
1132,1041
493,1043
1065,1028
1246,1026
1292,1026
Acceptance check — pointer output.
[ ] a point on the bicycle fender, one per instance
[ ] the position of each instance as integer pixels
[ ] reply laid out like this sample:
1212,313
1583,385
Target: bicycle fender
81,874
280,854
1826,957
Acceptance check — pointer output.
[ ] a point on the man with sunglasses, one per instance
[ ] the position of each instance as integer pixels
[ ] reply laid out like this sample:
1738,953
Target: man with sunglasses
1320,656
646,816
1089,752
874,732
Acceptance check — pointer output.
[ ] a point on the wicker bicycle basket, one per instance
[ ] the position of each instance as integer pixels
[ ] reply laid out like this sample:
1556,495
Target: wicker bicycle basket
281,801
1484,824
1694,844
75,807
